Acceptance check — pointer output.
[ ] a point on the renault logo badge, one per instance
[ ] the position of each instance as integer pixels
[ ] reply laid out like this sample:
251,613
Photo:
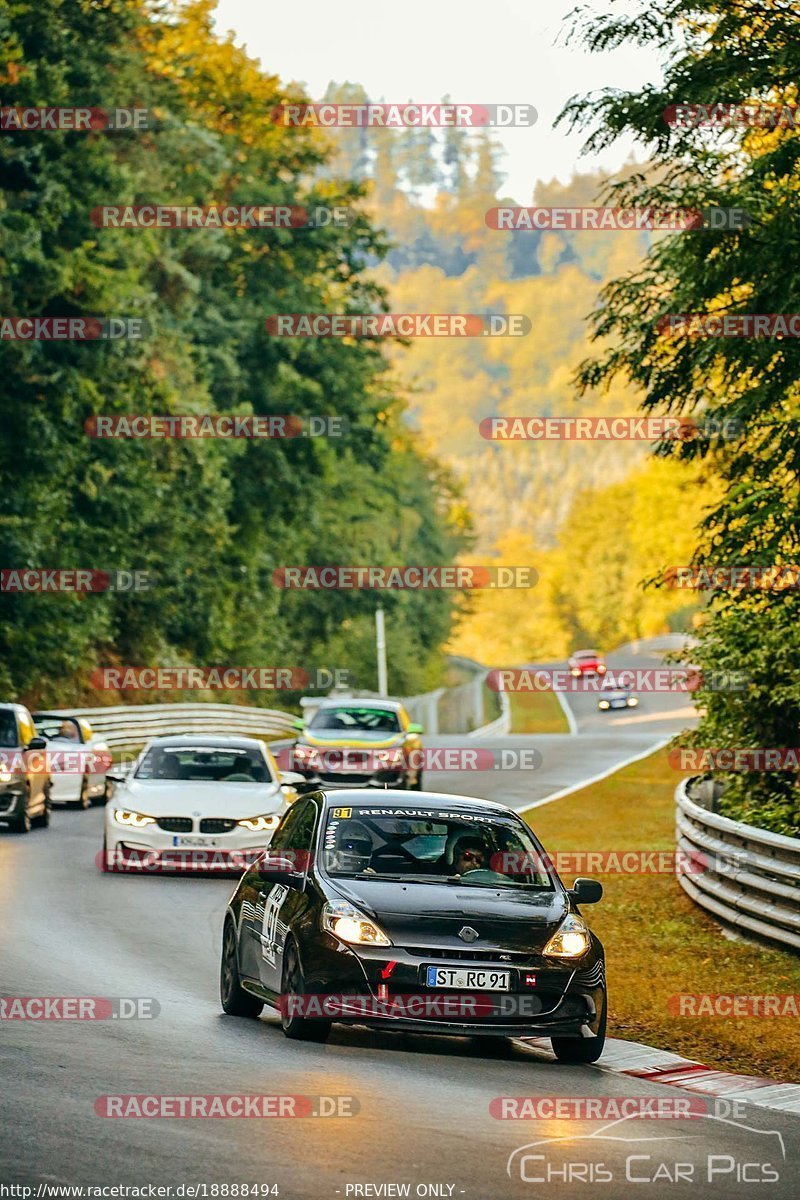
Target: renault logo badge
468,934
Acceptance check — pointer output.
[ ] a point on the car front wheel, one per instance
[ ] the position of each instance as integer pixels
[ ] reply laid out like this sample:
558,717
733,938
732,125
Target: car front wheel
236,1002
293,993
22,822
581,1050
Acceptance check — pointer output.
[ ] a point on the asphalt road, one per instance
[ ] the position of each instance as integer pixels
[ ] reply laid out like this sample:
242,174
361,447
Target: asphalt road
423,1103
421,1106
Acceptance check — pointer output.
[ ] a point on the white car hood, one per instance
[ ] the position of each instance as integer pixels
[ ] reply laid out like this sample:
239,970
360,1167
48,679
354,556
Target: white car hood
185,798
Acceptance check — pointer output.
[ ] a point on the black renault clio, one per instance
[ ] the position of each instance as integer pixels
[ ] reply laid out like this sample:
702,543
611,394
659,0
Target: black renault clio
421,912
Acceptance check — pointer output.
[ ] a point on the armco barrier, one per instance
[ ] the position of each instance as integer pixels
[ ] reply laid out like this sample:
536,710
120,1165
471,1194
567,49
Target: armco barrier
130,725
747,878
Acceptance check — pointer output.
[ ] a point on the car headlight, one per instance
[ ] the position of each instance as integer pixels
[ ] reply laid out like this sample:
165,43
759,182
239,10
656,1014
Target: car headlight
603,704
6,777
137,820
575,671
570,940
347,923
259,824
633,701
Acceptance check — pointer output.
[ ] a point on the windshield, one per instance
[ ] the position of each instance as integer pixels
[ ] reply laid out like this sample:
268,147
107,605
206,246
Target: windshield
419,845
349,718
205,764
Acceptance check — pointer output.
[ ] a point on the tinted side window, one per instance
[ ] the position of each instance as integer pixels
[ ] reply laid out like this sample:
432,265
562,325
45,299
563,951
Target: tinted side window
8,728
284,836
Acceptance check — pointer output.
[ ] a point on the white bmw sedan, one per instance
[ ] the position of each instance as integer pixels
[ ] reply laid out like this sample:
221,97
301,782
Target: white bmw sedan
194,803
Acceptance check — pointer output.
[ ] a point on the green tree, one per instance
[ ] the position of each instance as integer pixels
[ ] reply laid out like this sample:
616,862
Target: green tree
730,51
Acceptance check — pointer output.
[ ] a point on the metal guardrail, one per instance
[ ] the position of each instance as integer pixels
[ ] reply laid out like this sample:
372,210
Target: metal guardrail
130,725
747,878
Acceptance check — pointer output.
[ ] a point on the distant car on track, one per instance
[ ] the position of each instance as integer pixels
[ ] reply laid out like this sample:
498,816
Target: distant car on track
617,698
426,913
360,743
24,779
192,797
82,784
587,662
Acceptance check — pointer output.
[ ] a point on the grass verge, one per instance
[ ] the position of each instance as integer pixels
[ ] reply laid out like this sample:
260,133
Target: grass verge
658,943
537,712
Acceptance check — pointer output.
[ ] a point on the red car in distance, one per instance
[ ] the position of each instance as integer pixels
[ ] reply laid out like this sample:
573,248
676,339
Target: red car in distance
587,662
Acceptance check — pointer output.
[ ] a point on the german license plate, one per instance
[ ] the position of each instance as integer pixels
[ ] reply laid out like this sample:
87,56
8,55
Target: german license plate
194,841
468,979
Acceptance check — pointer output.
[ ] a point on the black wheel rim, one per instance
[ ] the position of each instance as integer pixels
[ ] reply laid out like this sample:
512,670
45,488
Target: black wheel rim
228,964
291,987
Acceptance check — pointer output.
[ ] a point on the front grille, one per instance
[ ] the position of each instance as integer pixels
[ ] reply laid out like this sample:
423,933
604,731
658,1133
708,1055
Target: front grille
217,825
341,777
495,956
175,824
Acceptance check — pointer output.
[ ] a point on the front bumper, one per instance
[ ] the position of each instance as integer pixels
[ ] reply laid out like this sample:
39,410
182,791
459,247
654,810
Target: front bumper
383,988
12,800
154,850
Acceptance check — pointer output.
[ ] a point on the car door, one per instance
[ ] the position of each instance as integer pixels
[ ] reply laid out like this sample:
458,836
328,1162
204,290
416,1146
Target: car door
98,758
35,760
280,904
253,899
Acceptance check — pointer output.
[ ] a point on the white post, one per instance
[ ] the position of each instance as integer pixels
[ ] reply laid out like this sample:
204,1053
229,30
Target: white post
380,641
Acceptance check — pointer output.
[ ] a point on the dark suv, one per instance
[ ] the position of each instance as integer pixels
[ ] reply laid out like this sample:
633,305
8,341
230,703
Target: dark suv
24,779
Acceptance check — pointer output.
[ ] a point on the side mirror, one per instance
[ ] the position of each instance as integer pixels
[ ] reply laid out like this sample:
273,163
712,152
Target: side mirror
415,729
586,891
37,743
298,724
119,772
292,778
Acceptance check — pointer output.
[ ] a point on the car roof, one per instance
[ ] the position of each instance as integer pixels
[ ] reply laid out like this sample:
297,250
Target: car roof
584,653
372,797
223,741
359,702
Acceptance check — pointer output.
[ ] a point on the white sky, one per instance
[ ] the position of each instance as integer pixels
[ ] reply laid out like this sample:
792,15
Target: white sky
502,51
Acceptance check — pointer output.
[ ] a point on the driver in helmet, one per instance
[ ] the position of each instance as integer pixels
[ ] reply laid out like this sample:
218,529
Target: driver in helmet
352,851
